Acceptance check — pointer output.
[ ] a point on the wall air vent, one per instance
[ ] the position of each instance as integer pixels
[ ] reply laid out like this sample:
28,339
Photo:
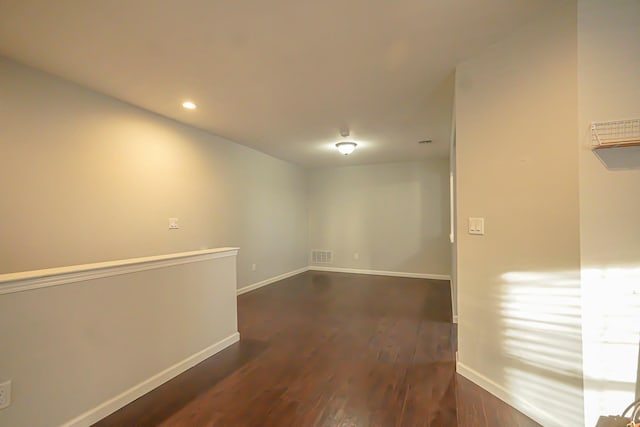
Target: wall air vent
321,257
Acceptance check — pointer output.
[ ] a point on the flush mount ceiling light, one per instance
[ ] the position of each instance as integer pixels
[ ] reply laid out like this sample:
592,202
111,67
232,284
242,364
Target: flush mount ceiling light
346,147
188,105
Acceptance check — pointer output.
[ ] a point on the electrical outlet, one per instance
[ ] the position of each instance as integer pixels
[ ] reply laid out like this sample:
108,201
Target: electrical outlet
173,224
253,267
5,394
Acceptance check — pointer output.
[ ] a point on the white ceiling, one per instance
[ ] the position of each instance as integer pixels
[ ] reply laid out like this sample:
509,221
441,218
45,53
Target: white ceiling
281,76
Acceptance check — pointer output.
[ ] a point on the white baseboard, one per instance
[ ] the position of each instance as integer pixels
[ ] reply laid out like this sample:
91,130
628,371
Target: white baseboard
283,276
537,414
270,280
110,406
382,273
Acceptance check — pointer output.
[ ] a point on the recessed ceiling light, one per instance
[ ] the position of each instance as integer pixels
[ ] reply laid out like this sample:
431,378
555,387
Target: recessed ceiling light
189,105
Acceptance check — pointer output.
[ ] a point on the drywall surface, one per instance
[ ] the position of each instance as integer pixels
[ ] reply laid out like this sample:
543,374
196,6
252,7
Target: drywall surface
394,216
609,88
86,178
452,215
517,167
72,347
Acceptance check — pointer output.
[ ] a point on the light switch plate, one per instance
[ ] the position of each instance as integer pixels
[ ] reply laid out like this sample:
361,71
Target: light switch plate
476,226
173,224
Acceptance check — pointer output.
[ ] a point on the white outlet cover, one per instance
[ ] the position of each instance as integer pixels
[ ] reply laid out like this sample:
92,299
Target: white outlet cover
173,224
5,394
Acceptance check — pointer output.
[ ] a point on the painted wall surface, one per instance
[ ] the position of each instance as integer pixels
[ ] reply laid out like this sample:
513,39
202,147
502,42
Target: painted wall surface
609,88
72,347
453,220
86,178
395,216
517,165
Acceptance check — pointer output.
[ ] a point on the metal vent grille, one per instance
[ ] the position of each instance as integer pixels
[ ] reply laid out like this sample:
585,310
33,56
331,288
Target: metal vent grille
321,257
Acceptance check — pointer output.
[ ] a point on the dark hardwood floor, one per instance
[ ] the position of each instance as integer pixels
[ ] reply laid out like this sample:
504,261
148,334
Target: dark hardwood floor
476,407
330,349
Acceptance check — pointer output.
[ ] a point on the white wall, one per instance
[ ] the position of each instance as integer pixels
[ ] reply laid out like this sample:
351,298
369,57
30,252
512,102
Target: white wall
453,218
73,347
609,88
394,215
87,178
517,165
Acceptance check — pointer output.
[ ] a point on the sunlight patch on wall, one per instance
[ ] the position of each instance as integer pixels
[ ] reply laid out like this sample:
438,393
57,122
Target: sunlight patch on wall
542,338
611,332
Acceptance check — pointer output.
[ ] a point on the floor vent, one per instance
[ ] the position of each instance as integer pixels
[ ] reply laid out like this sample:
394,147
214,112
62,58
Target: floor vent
321,257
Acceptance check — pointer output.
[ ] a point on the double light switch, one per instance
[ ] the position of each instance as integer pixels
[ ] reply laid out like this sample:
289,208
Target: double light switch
476,226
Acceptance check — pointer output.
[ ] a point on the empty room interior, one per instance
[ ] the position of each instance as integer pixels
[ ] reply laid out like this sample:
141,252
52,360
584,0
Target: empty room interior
361,213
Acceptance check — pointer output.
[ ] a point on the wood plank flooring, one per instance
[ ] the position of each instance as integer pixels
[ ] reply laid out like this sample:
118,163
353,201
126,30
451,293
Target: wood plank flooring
476,407
330,349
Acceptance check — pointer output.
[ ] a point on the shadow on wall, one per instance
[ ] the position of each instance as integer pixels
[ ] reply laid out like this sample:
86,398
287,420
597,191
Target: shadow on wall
561,337
622,158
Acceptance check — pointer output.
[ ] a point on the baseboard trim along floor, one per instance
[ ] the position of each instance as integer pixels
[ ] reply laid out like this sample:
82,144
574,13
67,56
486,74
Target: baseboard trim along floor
509,398
99,412
382,273
279,277
270,280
